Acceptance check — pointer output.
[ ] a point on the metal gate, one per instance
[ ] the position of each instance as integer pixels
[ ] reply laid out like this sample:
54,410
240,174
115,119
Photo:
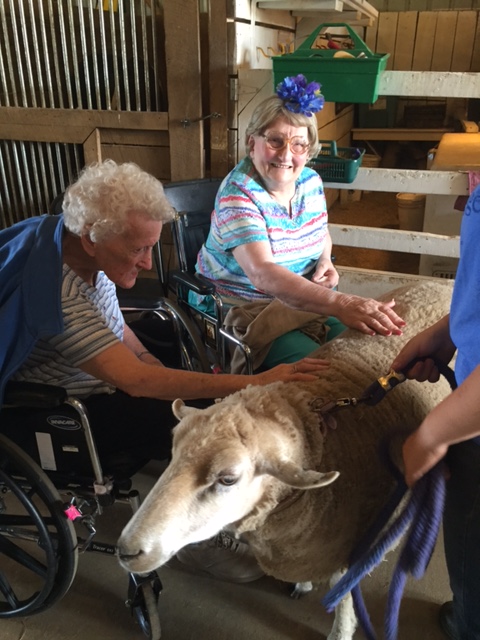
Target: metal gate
71,54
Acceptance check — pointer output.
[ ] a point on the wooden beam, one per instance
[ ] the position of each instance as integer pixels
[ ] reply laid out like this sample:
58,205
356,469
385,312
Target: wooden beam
129,136
182,53
328,16
373,283
92,148
417,242
429,84
363,6
318,7
218,87
72,125
451,183
399,134
350,17
157,120
302,5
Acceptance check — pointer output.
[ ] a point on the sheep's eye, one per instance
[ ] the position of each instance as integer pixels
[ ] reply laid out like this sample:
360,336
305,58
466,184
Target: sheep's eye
228,481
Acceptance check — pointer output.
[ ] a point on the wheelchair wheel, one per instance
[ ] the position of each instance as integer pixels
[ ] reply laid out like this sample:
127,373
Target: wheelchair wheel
38,554
146,612
143,593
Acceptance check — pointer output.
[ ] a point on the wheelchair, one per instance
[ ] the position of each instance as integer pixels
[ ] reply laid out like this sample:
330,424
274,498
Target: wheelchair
193,201
52,485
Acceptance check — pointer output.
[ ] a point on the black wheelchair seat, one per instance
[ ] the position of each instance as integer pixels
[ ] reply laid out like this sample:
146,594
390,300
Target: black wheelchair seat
53,430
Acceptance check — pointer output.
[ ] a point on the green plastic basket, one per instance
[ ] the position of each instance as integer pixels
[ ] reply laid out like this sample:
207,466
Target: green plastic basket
337,164
353,80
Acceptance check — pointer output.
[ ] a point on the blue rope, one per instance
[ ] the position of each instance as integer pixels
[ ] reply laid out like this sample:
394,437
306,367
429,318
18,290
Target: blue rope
419,545
362,613
359,569
422,516
369,539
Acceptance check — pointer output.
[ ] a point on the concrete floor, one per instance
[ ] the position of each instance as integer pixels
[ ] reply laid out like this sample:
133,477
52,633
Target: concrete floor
196,607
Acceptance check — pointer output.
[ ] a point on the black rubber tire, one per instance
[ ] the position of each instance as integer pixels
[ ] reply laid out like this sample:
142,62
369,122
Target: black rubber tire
38,544
147,614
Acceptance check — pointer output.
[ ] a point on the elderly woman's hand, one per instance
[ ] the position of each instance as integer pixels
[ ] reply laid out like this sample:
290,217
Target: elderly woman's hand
368,315
304,370
325,274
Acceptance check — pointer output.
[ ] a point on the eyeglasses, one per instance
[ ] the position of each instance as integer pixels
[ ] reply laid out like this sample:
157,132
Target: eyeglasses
277,141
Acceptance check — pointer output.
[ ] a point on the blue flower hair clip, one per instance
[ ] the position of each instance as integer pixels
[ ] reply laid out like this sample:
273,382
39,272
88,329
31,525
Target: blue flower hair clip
300,96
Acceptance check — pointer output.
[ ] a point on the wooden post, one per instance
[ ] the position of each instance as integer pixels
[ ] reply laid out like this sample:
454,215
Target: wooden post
92,147
218,87
182,52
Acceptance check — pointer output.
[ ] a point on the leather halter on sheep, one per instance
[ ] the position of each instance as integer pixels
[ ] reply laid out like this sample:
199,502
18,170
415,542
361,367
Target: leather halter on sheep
258,464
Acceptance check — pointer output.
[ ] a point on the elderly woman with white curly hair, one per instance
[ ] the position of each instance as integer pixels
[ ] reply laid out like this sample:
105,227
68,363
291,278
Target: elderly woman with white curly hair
62,321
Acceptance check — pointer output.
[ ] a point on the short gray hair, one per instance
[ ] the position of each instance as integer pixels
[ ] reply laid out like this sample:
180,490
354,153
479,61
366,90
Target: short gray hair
106,192
274,107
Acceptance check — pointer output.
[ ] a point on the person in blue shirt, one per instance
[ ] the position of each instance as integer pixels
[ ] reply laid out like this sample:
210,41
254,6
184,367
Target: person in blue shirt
452,430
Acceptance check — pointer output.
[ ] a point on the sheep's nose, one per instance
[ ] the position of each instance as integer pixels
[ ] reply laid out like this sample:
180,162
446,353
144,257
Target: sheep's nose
128,554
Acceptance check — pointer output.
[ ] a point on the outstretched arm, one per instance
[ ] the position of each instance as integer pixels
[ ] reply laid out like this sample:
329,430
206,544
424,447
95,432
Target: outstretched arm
121,367
365,314
131,341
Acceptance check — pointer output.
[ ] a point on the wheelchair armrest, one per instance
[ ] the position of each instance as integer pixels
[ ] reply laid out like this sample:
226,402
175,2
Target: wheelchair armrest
31,394
196,283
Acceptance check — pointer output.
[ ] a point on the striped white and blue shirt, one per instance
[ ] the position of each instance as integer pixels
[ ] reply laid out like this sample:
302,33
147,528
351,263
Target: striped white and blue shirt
93,322
245,212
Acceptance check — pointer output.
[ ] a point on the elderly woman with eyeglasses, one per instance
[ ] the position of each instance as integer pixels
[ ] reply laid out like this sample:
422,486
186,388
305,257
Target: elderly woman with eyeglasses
269,230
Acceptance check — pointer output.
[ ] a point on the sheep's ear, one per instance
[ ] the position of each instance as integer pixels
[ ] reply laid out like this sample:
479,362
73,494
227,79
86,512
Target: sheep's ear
300,478
180,409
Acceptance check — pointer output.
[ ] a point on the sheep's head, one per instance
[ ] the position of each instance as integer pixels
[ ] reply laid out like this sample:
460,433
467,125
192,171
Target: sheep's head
224,461
269,449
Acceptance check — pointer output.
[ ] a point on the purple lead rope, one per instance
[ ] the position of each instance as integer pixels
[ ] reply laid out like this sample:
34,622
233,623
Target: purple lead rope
422,516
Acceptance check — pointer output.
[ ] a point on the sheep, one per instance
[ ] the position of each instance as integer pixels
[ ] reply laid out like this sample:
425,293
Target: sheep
267,464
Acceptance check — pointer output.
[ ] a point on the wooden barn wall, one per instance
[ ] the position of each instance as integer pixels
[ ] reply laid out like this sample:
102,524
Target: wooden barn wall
428,41
217,67
422,5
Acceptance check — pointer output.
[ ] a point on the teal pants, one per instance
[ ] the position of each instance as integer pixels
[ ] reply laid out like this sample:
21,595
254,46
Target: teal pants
295,345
